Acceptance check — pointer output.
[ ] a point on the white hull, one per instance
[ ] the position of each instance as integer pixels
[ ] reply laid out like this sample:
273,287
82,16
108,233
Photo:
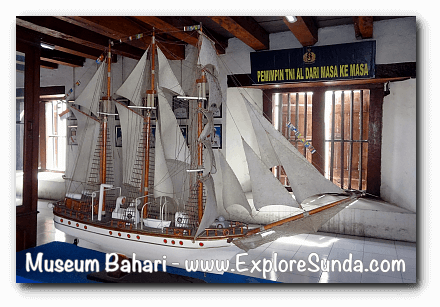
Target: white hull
149,247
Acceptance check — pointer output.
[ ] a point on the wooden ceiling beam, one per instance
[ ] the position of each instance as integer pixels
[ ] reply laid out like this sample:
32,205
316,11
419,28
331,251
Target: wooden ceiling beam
58,57
304,29
245,29
363,26
63,30
48,65
174,26
121,28
61,44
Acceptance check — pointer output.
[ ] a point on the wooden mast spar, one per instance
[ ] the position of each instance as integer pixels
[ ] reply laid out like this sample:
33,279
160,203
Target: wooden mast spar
201,85
105,110
147,125
202,94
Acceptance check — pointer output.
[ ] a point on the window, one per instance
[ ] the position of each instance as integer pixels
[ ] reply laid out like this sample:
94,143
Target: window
19,126
296,109
344,149
56,129
346,138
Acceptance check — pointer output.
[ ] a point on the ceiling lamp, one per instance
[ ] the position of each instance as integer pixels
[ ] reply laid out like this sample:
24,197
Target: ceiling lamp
47,46
291,19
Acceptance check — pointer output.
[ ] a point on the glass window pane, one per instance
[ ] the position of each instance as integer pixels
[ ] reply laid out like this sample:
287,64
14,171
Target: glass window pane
19,124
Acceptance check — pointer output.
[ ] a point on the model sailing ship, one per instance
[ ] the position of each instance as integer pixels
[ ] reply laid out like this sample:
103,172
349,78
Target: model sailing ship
177,199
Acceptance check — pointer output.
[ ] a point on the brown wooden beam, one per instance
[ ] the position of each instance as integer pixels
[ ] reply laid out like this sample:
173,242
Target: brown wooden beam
62,58
174,26
333,84
267,104
52,90
48,65
318,131
64,30
304,29
61,44
121,28
245,29
375,141
363,26
26,214
42,137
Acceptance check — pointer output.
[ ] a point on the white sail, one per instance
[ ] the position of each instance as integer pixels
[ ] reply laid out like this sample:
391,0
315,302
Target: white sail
268,155
232,193
266,189
304,179
175,149
87,133
207,54
270,129
167,79
131,127
134,87
208,130
89,98
216,96
174,144
208,61
210,166
239,125
210,212
163,185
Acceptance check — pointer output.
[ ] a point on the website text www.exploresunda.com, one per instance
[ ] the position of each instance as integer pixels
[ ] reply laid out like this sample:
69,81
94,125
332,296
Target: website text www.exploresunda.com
312,264
315,264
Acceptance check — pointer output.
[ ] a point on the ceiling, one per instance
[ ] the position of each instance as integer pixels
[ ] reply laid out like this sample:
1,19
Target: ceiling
75,38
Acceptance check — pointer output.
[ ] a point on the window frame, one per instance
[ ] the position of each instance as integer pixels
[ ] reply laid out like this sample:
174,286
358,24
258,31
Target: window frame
318,132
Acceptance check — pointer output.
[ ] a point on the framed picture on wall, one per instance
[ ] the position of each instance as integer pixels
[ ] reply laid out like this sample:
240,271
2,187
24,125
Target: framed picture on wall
217,140
216,111
118,136
72,136
184,130
180,108
153,137
117,113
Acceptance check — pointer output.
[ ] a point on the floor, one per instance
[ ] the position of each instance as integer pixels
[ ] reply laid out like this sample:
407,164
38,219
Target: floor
326,257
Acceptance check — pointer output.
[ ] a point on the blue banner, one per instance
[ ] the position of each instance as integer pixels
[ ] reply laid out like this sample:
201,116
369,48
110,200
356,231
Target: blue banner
322,63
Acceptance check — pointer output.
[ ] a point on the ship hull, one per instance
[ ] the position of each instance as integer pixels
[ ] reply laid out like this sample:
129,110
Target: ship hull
177,252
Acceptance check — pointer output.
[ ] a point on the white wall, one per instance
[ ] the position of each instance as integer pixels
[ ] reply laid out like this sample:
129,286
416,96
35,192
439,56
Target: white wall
399,145
395,40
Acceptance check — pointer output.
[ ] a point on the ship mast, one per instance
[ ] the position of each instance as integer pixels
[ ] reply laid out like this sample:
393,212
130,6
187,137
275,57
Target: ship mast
201,87
105,111
147,125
